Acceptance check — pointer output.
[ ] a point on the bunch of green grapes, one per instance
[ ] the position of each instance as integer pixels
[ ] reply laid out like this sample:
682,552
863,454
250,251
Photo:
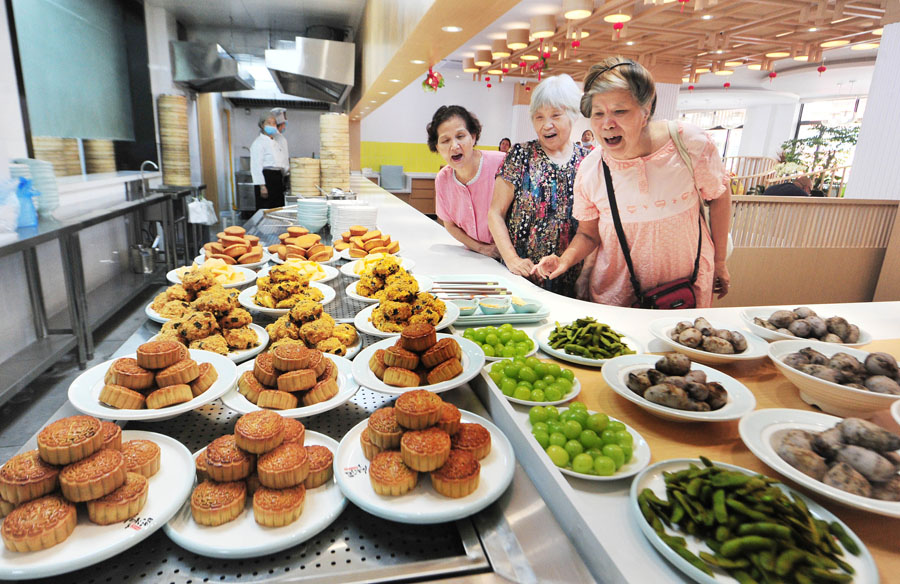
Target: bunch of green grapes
581,441
502,341
532,380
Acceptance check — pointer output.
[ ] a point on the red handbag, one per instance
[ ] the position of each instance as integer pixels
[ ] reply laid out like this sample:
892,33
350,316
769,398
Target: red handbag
670,295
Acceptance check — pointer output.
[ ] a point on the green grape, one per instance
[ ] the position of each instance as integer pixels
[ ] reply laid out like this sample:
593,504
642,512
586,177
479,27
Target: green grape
537,414
553,394
574,448
598,422
512,371
566,415
537,395
614,451
522,393
572,429
604,466
488,351
554,370
555,426
558,438
580,416
608,436
520,361
498,366
568,374
507,385
469,333
583,463
532,362
540,369
594,452
521,352
528,374
564,384
549,379
577,405
552,412
506,327
505,337
490,330
491,339
539,384
519,336
496,377
479,335
589,439
624,437
558,455
628,450
540,426
508,351
616,426
526,384
524,346
542,438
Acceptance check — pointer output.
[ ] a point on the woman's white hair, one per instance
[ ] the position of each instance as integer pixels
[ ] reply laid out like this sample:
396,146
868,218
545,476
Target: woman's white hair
559,91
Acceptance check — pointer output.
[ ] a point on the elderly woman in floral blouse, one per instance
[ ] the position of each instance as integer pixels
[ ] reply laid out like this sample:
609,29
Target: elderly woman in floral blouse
531,211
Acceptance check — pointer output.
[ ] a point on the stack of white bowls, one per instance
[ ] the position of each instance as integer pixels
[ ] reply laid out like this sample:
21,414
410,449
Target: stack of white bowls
43,181
347,213
312,213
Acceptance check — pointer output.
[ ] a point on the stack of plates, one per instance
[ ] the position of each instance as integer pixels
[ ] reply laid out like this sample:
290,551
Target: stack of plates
50,149
334,151
71,156
305,177
173,134
19,170
312,213
44,181
344,215
99,156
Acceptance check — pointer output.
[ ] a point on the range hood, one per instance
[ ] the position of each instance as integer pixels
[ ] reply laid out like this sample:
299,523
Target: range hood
206,68
314,69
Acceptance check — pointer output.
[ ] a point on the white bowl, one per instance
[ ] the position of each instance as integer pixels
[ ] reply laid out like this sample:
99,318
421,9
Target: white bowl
831,397
756,347
748,314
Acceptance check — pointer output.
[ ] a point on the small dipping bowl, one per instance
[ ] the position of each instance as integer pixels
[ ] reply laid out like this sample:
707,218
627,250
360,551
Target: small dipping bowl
525,305
494,304
466,307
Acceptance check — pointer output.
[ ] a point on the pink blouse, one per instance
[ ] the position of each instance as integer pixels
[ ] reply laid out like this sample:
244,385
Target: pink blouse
659,210
467,205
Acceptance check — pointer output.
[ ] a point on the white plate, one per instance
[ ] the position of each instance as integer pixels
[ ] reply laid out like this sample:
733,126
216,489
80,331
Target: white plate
490,359
277,260
756,347
423,505
246,299
425,284
253,266
542,337
154,316
84,392
832,398
741,400
512,317
748,314
347,388
91,543
652,478
472,362
330,273
640,458
364,325
244,537
759,428
344,254
576,389
347,269
241,355
249,277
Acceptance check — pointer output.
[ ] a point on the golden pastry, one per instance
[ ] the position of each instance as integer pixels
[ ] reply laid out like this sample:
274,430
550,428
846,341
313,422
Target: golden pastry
250,387
70,439
112,435
297,380
126,501
274,399
377,364
400,357
215,503
321,466
390,476
158,354
283,467
369,449
93,477
259,431
384,431
445,371
169,396
38,524
317,361
399,377
322,391
449,420
425,450
418,337
208,375
278,507
446,348
200,468
127,372
472,437
294,431
141,457
418,409
330,372
264,369
290,357
182,372
120,397
458,476
226,462
26,476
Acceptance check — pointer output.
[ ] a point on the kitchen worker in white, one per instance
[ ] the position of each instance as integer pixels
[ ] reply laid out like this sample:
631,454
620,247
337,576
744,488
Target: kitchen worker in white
267,175
282,157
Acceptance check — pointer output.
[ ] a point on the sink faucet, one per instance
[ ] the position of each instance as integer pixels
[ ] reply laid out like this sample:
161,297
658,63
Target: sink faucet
143,180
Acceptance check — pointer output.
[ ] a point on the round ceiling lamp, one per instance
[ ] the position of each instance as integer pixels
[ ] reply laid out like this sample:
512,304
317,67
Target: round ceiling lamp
529,57
864,46
543,26
701,70
517,38
618,17
801,57
577,9
723,72
835,43
483,58
468,65
778,54
495,71
499,49
878,31
754,66
733,63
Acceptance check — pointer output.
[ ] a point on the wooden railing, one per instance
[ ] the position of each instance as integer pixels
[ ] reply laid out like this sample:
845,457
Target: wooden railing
830,180
748,171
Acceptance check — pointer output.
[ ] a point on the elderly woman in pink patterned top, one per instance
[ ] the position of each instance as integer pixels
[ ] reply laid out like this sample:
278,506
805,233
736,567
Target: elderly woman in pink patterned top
463,189
655,192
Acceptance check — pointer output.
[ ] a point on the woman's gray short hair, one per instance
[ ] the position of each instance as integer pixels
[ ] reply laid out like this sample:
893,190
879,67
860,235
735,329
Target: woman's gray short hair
615,73
263,118
559,91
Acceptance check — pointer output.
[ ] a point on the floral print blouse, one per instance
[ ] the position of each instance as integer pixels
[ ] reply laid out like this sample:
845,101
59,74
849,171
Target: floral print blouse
540,220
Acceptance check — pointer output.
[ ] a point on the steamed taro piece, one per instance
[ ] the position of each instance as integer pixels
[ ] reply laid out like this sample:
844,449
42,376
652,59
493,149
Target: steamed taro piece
717,345
888,490
718,397
870,464
638,382
844,477
702,325
828,443
832,338
838,325
852,334
849,365
782,318
867,435
798,439
804,460
795,360
697,391
764,323
822,372
803,312
817,326
800,328
674,364
814,356
668,395
695,377
881,364
882,384
690,337
738,342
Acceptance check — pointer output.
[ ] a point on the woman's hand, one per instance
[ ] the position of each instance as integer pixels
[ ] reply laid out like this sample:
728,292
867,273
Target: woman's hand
550,267
490,250
721,279
520,266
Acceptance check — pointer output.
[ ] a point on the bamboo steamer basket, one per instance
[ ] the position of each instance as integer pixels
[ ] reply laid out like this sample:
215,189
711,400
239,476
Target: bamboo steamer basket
51,149
173,137
99,156
334,151
305,175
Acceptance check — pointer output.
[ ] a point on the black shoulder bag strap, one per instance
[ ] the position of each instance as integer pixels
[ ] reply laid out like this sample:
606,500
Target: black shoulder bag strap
620,233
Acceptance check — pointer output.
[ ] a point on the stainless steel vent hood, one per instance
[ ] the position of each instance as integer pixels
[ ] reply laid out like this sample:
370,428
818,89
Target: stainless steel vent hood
314,69
206,68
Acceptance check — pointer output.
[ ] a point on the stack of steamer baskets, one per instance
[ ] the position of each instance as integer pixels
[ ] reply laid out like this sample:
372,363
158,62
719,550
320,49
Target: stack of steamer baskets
71,156
99,156
173,134
334,150
305,177
50,149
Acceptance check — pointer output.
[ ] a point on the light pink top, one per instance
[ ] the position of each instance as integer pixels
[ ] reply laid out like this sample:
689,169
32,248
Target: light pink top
659,208
467,205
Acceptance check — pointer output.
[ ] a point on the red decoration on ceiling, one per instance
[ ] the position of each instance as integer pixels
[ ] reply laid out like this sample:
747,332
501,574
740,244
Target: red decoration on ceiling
821,69
618,26
726,85
527,88
691,88
575,44
522,64
683,2
433,81
505,70
488,85
772,75
487,78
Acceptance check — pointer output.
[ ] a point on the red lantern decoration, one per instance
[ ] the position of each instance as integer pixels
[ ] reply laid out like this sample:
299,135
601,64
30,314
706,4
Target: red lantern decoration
488,85
505,70
821,69
522,64
683,2
527,88
726,85
691,88
618,26
487,78
772,76
546,56
575,44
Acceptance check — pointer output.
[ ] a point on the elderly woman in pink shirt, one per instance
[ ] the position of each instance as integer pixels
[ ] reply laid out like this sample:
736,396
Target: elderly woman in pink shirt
656,194
463,189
